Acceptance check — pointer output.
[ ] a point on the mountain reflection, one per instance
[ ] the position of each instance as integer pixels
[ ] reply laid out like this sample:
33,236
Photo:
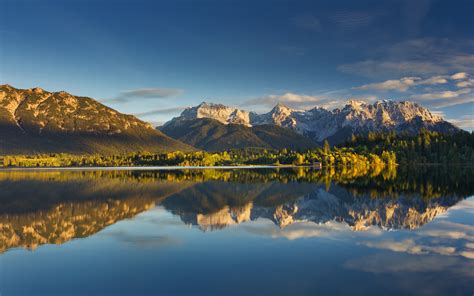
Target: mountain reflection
53,207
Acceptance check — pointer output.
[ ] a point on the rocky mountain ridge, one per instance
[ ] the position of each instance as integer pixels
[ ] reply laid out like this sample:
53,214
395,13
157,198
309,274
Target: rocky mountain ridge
34,120
336,125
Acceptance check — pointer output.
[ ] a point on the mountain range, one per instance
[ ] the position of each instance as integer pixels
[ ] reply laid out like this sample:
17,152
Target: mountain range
38,121
317,124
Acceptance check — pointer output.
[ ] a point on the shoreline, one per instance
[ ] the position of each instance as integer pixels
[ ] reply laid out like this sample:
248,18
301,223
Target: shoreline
153,168
225,167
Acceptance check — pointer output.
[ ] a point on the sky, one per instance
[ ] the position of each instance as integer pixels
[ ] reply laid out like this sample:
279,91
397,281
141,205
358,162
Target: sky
154,58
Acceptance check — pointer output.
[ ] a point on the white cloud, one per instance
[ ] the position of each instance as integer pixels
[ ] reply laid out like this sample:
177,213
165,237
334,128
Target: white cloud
400,84
451,230
437,238
441,103
466,83
307,229
404,83
291,99
447,94
438,113
465,121
459,76
433,80
302,101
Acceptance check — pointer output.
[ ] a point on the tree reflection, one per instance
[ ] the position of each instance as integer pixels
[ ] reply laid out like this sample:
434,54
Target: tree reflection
53,207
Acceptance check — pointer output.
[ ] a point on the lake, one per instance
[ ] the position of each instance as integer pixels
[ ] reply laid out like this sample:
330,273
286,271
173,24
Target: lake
291,231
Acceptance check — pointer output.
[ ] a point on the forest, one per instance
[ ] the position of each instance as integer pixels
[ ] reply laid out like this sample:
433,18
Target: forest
325,156
425,148
374,150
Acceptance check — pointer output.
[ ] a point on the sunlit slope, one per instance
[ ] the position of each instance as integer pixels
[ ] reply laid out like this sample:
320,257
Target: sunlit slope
38,121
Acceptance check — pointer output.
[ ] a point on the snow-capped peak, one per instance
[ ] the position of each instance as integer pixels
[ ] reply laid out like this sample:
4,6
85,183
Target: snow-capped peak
357,117
281,108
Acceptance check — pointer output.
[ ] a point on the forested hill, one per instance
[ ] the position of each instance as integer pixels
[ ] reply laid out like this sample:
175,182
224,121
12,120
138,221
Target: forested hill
425,147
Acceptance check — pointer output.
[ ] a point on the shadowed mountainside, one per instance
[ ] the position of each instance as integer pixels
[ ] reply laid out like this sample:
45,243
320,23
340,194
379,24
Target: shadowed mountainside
212,135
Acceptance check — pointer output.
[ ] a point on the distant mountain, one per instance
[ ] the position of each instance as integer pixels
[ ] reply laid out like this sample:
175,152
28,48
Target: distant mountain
38,121
336,125
213,135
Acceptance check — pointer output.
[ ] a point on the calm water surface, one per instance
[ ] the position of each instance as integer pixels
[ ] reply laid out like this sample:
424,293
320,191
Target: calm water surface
237,232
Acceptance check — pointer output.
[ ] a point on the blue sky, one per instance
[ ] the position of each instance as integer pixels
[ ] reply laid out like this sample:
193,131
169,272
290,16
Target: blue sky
153,58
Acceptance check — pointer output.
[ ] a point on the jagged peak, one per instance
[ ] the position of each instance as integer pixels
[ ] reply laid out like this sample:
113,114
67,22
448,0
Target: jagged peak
410,103
281,105
37,90
205,104
383,102
355,102
280,108
321,123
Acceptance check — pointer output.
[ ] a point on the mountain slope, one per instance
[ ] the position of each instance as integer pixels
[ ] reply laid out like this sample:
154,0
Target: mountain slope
337,125
38,121
212,135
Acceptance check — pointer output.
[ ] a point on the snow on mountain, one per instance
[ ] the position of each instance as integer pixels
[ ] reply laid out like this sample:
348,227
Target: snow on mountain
219,112
336,125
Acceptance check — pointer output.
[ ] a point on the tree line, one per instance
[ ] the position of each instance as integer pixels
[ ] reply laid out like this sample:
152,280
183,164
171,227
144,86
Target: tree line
327,156
426,147
373,150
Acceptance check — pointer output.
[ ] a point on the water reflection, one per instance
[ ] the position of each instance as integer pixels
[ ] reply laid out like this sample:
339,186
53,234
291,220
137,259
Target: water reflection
53,207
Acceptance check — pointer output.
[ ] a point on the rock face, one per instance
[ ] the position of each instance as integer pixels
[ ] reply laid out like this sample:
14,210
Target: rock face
218,112
336,125
35,120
